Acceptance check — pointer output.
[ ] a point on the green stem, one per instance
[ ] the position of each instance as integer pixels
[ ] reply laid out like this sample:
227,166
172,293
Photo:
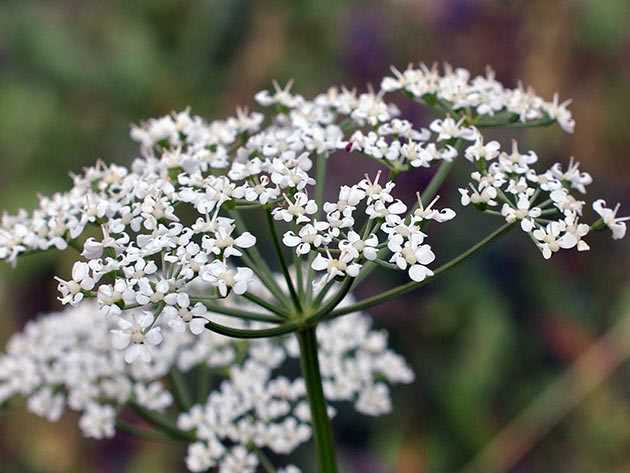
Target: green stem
410,286
180,389
267,279
258,264
202,379
322,428
283,262
322,293
438,179
264,461
320,186
324,311
320,183
238,313
258,333
265,304
144,434
299,276
162,424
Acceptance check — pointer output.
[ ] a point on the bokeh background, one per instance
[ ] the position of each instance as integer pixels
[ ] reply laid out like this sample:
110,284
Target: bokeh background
487,341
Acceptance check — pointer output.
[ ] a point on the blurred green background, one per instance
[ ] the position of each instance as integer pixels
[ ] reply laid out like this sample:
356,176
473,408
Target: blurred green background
486,340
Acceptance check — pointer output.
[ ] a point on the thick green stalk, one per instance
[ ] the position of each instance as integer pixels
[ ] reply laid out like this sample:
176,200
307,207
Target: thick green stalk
322,428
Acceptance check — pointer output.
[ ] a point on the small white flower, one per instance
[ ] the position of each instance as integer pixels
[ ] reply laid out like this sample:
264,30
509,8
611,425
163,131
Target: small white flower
225,278
478,150
516,162
576,179
374,191
82,280
310,236
290,469
566,202
178,314
139,270
374,401
411,253
523,212
204,455
98,421
280,96
358,246
574,233
609,217
135,335
153,396
239,460
297,209
391,213
335,267
481,197
549,239
93,249
423,213
225,244
349,198
559,111
448,129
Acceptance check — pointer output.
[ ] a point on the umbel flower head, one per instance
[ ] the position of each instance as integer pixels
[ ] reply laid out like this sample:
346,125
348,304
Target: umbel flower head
164,244
71,360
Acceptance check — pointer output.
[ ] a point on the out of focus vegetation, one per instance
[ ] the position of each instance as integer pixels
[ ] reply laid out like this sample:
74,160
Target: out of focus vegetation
486,340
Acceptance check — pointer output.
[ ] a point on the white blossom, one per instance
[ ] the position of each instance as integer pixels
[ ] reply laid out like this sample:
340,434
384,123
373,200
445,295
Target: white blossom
616,224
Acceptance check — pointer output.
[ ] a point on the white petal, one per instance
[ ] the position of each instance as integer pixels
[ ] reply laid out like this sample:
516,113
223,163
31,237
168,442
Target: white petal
120,340
418,272
145,320
319,263
290,239
132,353
246,240
197,325
154,336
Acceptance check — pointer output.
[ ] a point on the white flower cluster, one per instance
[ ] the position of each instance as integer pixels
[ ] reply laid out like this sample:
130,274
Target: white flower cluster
543,204
342,249
147,256
457,90
253,407
149,233
397,145
69,360
66,360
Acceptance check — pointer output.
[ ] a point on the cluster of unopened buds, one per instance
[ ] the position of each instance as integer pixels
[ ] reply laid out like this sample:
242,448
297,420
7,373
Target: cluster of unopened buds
166,249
